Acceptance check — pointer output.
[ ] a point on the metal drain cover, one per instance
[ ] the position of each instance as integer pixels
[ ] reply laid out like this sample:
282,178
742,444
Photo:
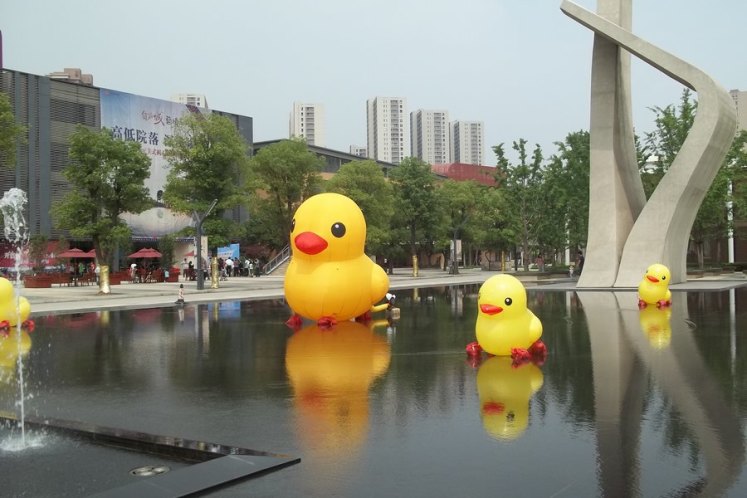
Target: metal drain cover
149,470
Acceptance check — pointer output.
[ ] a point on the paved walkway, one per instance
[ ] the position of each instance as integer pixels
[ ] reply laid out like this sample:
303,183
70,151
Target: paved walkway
126,296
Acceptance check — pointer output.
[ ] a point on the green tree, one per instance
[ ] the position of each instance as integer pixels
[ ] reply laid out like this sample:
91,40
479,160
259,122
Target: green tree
495,229
10,132
460,201
416,204
285,173
166,246
37,251
107,177
208,159
565,194
364,182
522,182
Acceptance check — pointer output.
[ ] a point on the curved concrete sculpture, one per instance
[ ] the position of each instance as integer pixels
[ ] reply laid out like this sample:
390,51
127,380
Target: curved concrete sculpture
631,234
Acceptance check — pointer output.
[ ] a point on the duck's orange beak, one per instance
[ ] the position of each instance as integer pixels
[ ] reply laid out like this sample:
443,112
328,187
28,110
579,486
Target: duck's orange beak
652,279
490,309
310,243
493,407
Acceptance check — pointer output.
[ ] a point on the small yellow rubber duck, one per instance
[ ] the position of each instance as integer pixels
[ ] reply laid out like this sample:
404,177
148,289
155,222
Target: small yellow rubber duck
654,288
330,278
505,326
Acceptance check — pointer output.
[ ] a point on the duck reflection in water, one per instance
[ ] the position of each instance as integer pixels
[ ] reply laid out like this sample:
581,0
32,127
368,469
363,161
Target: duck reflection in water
505,390
331,371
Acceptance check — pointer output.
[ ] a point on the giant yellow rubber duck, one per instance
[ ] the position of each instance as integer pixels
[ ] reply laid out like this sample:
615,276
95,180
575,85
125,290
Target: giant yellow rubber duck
11,309
654,288
504,392
329,278
505,326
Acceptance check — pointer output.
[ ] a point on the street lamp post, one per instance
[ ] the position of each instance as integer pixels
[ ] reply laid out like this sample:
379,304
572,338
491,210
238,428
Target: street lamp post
199,219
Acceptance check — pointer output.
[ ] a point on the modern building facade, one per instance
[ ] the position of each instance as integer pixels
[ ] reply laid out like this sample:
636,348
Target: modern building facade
51,109
308,121
72,75
467,142
460,172
333,159
429,132
359,150
387,129
195,99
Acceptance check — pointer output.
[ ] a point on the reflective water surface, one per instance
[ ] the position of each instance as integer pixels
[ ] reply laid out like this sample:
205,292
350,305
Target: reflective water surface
628,402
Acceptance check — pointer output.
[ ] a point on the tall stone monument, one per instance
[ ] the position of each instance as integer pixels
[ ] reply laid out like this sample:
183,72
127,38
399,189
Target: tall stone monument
626,232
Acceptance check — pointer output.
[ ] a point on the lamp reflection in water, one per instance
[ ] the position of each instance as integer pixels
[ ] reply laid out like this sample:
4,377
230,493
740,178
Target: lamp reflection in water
624,359
504,391
331,371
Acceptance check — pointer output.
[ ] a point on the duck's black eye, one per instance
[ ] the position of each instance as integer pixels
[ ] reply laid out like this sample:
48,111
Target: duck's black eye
508,301
663,278
293,225
338,229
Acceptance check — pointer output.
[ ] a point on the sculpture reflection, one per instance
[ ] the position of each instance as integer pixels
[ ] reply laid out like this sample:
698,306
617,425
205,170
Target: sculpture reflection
623,361
505,391
331,371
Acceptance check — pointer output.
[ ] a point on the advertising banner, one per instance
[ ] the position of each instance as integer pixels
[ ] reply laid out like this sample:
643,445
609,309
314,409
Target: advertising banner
147,121
232,251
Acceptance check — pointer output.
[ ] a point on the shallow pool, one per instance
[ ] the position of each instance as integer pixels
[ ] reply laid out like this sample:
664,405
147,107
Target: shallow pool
627,403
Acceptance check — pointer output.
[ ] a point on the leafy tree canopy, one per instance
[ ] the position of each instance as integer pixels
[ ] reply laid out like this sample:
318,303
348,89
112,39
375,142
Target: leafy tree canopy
107,177
285,174
364,182
10,132
208,160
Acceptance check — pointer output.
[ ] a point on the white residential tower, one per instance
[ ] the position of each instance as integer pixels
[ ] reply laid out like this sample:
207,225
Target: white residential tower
467,139
388,134
429,132
307,121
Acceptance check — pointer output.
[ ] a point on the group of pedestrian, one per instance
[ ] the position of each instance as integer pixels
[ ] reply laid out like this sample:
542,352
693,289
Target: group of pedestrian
228,267
235,267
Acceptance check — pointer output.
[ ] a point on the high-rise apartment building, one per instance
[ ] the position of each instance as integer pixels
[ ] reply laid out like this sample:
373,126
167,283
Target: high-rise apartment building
429,136
195,99
740,100
467,138
387,126
359,150
307,121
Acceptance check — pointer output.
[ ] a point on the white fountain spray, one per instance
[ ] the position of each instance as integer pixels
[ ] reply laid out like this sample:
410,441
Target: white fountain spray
12,206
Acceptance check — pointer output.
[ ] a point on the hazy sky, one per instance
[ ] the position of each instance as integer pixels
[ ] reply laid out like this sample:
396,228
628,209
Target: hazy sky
520,66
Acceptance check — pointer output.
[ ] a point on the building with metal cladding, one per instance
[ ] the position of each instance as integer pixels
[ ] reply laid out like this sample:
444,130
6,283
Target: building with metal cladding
51,109
333,159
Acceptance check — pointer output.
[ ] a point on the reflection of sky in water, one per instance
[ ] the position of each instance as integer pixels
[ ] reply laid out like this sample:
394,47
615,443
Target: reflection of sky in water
612,408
